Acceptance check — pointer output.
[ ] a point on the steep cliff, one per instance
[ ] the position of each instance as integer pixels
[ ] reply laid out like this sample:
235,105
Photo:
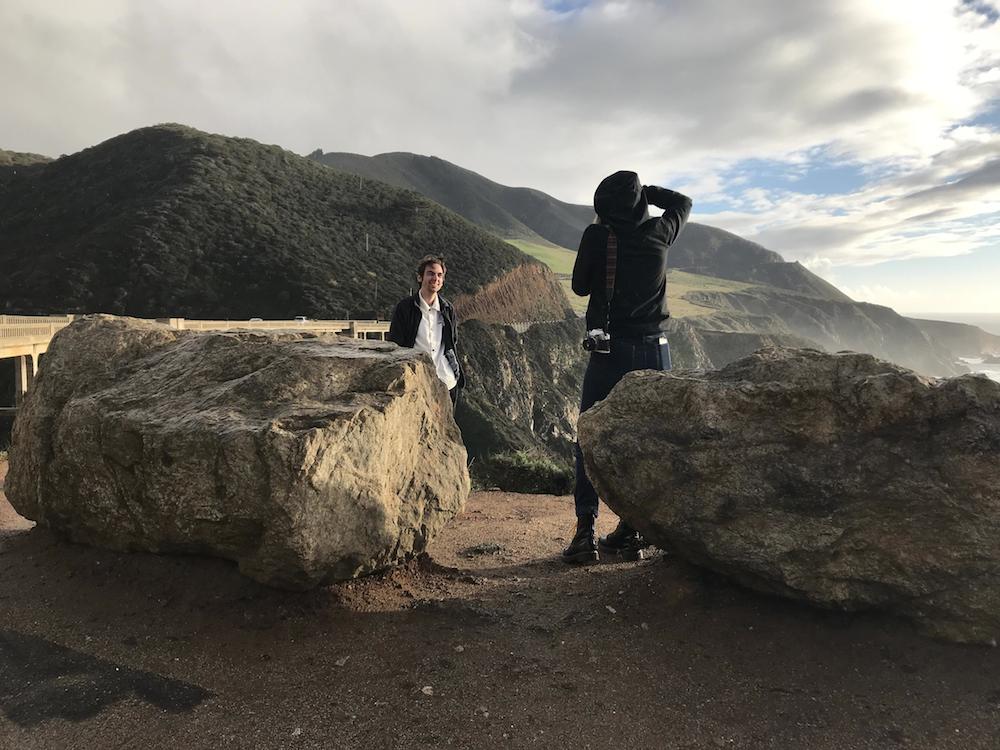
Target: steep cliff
529,292
524,388
962,339
837,325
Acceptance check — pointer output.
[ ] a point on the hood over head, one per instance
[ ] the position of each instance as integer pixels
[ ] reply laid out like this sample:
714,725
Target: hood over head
620,200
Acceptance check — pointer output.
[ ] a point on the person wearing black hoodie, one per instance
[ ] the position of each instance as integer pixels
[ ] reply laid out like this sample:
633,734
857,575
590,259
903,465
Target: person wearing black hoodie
634,321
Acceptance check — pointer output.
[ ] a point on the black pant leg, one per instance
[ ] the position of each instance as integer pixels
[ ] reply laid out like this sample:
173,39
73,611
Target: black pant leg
603,372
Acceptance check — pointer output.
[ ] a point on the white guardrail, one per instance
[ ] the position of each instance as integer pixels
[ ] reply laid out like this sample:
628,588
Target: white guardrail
25,338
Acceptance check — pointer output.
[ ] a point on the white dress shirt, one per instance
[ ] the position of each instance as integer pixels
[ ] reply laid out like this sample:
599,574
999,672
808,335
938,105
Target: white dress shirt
430,339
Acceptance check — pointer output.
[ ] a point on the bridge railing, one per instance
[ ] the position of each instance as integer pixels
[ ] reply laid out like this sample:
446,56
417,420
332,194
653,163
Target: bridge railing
25,338
17,330
14,328
352,328
35,319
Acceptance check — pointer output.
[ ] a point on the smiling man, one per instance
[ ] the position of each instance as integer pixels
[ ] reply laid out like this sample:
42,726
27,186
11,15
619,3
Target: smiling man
426,321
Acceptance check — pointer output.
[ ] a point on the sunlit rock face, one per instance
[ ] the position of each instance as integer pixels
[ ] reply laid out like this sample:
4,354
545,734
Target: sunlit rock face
305,458
835,479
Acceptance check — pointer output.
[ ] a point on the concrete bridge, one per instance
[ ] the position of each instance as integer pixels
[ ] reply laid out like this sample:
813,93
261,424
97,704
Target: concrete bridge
25,338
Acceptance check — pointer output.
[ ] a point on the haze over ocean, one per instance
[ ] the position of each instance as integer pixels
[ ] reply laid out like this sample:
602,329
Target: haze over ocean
989,322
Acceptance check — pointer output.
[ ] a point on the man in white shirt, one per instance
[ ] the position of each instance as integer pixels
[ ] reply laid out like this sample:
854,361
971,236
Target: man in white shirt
426,321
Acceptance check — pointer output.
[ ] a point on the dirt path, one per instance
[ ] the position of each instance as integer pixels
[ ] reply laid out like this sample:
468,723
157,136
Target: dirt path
489,641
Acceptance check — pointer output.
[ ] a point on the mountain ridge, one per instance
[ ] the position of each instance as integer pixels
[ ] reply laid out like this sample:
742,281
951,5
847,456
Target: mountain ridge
171,221
700,249
526,213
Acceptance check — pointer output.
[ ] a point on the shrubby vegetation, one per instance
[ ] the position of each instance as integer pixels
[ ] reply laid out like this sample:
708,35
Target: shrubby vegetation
168,220
20,159
508,211
523,471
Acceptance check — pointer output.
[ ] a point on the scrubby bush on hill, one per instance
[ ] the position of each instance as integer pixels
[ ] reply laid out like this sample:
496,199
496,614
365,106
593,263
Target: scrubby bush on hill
524,471
168,220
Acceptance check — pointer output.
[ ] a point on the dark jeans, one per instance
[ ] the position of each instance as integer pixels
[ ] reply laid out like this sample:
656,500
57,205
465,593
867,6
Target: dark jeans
603,372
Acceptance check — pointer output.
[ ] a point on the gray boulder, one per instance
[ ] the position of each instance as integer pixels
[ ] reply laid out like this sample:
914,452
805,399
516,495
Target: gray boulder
305,458
835,479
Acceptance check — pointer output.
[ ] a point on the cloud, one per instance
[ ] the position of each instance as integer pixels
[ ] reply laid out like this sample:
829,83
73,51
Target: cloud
555,94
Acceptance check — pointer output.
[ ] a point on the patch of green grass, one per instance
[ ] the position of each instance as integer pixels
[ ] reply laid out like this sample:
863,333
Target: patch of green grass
559,259
679,283
523,471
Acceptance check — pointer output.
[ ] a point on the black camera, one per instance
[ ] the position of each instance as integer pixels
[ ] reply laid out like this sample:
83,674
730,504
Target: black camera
597,341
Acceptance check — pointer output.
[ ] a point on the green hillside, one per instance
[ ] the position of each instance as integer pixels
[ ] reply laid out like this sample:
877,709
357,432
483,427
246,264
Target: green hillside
559,259
168,220
681,283
20,159
514,212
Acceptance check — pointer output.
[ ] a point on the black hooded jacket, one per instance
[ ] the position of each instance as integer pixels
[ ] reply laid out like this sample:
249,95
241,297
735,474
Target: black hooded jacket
639,302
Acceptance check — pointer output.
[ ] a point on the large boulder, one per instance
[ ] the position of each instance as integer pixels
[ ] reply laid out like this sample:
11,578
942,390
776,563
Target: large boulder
305,458
835,479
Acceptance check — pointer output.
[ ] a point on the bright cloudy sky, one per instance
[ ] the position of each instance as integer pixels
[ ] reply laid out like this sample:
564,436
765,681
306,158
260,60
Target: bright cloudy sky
859,137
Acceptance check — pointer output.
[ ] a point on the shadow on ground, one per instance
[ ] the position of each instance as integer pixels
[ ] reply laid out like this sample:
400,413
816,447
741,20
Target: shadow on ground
489,640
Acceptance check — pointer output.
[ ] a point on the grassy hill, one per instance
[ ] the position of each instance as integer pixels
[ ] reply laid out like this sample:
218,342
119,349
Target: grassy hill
539,224
20,159
511,212
169,220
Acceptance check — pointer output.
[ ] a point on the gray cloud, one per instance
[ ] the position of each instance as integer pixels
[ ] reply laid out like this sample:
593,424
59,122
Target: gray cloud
679,91
973,185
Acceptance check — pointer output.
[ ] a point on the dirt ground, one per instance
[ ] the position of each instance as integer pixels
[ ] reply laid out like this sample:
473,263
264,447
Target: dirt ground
488,641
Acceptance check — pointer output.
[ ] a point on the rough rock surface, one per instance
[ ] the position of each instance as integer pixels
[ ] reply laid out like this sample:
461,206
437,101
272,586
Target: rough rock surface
304,458
524,388
836,479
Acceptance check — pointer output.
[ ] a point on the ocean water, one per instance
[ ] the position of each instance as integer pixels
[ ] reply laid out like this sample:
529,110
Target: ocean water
989,322
976,365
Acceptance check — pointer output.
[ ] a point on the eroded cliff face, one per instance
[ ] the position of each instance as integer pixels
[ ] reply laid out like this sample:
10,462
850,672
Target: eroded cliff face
962,339
524,388
711,342
525,294
834,325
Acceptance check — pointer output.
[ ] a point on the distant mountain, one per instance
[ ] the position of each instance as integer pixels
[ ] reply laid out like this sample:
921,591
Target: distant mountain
710,251
829,324
169,220
786,303
514,212
963,339
14,163
524,213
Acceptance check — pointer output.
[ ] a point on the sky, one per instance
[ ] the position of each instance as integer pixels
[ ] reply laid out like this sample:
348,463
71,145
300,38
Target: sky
860,138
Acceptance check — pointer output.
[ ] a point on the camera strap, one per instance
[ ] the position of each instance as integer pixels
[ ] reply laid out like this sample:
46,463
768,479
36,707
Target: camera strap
610,267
